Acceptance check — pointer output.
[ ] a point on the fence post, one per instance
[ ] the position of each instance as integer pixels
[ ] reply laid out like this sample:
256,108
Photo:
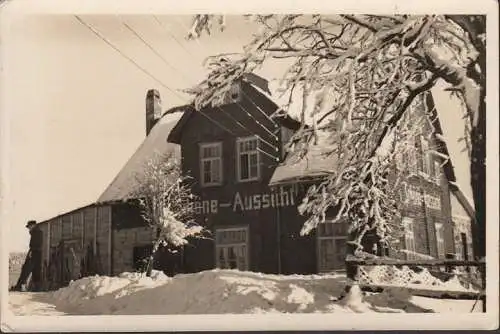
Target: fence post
482,271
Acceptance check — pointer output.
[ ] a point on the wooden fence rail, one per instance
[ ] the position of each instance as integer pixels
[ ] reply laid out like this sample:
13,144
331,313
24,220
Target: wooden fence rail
353,263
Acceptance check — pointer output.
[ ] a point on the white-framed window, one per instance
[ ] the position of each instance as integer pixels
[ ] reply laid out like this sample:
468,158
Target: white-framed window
440,240
231,248
432,201
408,227
331,245
426,156
412,157
437,172
462,235
413,195
211,164
248,163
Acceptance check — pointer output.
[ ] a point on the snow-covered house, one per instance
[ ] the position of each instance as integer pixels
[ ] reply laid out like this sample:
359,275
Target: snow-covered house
248,190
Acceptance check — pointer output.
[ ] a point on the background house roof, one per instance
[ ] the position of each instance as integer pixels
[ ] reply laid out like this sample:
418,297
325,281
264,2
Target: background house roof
317,164
155,143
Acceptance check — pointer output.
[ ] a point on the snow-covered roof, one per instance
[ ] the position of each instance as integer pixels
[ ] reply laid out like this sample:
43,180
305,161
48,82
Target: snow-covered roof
155,143
316,163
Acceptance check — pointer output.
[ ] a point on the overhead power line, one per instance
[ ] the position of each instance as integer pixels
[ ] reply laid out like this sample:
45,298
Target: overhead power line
98,34
141,38
255,105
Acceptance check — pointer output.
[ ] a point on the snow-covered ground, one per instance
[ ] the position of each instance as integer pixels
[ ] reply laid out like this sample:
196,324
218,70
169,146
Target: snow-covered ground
221,291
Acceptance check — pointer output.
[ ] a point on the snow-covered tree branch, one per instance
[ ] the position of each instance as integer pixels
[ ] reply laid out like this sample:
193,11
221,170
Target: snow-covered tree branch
359,75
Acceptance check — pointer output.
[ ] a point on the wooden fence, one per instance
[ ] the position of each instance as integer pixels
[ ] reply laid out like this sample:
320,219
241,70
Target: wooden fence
353,264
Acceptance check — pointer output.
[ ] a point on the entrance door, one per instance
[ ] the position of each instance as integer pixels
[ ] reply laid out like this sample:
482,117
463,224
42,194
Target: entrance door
332,252
72,258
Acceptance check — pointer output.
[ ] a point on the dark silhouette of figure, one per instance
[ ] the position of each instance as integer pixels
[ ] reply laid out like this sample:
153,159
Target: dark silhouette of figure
33,263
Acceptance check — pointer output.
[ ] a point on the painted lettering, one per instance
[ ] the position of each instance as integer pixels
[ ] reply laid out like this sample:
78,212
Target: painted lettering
283,197
237,201
214,206
265,201
206,206
197,207
274,199
256,202
248,203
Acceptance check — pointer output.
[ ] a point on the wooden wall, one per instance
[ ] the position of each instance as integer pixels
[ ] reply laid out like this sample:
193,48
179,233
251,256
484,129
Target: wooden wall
76,231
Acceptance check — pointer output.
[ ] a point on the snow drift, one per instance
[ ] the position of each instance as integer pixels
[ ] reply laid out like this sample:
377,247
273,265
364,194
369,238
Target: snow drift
209,292
232,291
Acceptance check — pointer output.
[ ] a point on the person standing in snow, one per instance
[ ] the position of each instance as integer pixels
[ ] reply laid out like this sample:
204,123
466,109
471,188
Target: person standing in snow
33,263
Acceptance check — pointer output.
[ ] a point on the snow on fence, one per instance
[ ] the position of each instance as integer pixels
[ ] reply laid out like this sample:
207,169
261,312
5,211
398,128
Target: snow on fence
461,279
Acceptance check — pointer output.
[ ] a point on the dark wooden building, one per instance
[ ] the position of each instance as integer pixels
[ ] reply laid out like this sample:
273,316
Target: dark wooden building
248,191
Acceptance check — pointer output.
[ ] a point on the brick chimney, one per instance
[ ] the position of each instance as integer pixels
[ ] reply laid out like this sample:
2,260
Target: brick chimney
153,109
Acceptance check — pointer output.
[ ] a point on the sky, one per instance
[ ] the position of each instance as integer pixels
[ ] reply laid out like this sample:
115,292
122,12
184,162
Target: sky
76,107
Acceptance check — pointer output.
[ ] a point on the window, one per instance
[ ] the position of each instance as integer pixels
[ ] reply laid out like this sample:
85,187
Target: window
463,240
231,246
331,246
248,159
409,238
437,172
432,201
440,240
211,164
413,195
411,156
426,157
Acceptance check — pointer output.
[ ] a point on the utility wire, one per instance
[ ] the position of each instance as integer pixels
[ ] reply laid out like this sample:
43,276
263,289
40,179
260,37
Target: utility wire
168,64
98,34
122,54
255,105
262,111
226,113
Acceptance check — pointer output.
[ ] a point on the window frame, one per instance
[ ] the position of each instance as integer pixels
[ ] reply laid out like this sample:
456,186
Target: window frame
432,201
425,146
202,146
414,194
409,228
437,172
238,159
322,238
217,246
440,240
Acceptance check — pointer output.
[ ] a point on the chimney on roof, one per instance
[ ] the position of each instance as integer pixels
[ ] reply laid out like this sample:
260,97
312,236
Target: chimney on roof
153,109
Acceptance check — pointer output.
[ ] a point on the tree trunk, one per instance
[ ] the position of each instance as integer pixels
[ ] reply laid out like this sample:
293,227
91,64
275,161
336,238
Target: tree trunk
478,179
149,268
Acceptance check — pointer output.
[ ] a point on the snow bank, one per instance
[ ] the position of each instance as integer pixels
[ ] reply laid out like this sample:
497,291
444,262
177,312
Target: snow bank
208,292
80,292
224,291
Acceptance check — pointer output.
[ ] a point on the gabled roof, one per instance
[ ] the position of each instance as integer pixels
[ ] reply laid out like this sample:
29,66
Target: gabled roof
448,168
250,81
155,143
